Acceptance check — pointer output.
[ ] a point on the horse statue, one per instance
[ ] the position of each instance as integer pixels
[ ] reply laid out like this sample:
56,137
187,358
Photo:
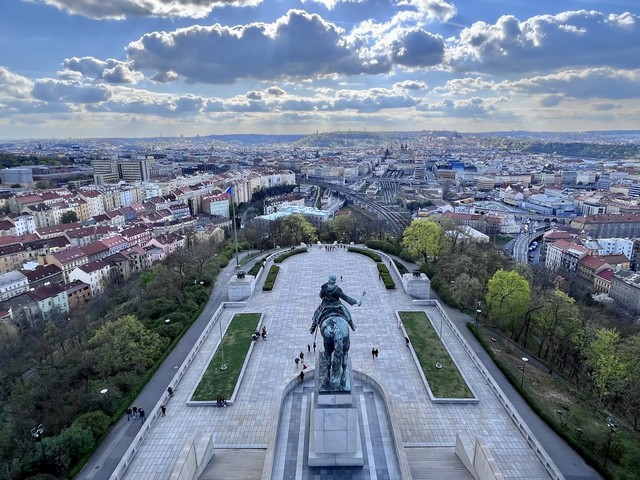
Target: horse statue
333,320
335,335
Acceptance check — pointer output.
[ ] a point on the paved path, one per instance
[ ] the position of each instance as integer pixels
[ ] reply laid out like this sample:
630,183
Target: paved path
287,315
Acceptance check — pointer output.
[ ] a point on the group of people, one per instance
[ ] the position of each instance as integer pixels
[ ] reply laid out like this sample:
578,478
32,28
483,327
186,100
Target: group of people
299,359
330,248
135,412
221,402
262,333
374,353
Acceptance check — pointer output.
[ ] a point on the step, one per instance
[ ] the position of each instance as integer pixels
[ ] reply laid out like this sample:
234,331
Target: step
436,463
235,464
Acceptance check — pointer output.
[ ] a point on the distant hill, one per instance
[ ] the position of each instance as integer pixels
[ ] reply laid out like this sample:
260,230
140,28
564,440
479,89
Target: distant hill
253,139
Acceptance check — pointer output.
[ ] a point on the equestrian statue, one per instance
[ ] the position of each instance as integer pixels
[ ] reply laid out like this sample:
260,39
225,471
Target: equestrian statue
333,319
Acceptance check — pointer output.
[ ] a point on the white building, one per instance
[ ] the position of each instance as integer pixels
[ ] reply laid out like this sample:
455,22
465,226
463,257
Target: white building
12,284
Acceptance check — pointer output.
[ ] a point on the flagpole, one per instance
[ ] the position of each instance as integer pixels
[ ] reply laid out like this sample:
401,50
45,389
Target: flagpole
235,233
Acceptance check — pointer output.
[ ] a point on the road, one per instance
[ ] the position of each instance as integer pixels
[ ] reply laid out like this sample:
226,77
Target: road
105,460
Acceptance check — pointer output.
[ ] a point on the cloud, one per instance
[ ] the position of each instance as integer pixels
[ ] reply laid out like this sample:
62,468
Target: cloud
474,107
330,4
584,84
433,9
277,91
551,100
51,90
14,86
121,9
547,42
410,85
109,71
298,44
418,48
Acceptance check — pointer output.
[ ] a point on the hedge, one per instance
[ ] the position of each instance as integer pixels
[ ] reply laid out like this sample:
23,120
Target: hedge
386,276
281,258
372,255
271,278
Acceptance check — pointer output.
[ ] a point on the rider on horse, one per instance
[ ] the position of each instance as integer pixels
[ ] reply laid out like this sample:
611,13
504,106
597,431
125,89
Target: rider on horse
330,293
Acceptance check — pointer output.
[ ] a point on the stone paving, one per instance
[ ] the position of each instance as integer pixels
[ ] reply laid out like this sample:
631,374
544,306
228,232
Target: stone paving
287,316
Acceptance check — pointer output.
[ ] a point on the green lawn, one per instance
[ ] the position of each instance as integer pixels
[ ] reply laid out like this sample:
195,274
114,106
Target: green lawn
236,342
444,382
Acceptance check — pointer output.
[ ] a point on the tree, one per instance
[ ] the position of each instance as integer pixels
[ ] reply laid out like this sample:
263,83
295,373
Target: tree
508,297
557,320
69,217
608,369
125,345
423,238
294,229
467,290
344,228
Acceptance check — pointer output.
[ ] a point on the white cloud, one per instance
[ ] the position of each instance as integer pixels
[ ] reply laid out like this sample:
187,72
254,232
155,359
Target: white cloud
51,90
121,9
433,9
411,85
298,44
109,71
548,42
14,86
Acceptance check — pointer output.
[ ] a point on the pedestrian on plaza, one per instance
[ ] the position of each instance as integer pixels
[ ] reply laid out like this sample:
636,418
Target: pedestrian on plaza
301,377
297,360
163,409
376,352
301,355
129,413
314,347
134,411
373,353
340,277
170,390
308,348
141,413
406,339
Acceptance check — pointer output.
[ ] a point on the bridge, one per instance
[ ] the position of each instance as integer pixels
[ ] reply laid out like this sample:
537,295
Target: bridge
396,220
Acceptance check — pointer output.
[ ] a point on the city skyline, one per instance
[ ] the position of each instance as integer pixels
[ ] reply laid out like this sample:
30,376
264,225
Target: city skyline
141,68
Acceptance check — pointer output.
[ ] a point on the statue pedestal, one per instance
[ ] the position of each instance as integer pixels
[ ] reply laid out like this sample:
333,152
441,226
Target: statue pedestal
416,286
240,288
334,427
334,432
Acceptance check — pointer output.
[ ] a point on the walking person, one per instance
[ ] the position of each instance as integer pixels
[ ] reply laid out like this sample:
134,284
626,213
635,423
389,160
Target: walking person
134,411
373,353
301,377
141,413
376,352
301,355
129,412
314,347
297,360
308,348
163,409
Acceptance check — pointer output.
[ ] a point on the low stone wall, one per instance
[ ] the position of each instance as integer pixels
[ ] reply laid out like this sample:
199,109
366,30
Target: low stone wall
193,459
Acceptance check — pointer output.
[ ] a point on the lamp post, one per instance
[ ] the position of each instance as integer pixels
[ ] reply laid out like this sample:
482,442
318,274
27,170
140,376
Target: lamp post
36,434
223,367
524,364
612,428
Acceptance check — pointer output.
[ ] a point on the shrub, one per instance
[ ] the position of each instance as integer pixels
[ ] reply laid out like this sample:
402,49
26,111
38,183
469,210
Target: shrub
385,246
271,278
386,276
372,255
256,267
282,257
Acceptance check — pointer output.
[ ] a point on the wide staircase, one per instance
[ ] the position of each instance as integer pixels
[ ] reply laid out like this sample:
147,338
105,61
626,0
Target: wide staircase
436,463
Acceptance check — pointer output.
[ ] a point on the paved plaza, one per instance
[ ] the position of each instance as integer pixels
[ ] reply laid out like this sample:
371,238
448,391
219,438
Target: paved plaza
287,311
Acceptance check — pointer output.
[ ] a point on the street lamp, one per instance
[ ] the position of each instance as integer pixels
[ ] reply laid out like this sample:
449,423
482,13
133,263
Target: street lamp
524,364
612,428
223,367
36,434
478,312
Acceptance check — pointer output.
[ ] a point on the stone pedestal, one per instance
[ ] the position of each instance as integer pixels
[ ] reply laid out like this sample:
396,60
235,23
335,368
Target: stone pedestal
240,288
417,286
334,426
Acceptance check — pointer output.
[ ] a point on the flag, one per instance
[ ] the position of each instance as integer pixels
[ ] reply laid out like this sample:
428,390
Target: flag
229,191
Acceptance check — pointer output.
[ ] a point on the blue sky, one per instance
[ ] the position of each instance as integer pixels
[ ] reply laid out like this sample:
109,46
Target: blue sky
136,68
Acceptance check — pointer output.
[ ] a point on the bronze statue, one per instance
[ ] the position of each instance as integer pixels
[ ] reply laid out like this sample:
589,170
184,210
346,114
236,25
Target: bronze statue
332,318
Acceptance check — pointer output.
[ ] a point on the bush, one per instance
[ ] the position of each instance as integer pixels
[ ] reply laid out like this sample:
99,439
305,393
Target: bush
386,276
372,255
256,267
271,278
401,268
385,246
282,257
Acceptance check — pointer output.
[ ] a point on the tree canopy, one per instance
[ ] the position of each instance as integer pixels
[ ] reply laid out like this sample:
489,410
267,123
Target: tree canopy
508,297
423,239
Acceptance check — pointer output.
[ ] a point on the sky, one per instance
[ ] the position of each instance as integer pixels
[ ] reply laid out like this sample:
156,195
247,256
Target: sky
142,68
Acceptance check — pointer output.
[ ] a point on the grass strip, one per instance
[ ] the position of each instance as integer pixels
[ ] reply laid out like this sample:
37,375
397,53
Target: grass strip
236,343
445,382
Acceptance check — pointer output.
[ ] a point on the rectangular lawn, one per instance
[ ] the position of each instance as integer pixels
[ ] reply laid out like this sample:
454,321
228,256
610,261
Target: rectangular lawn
445,382
236,342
